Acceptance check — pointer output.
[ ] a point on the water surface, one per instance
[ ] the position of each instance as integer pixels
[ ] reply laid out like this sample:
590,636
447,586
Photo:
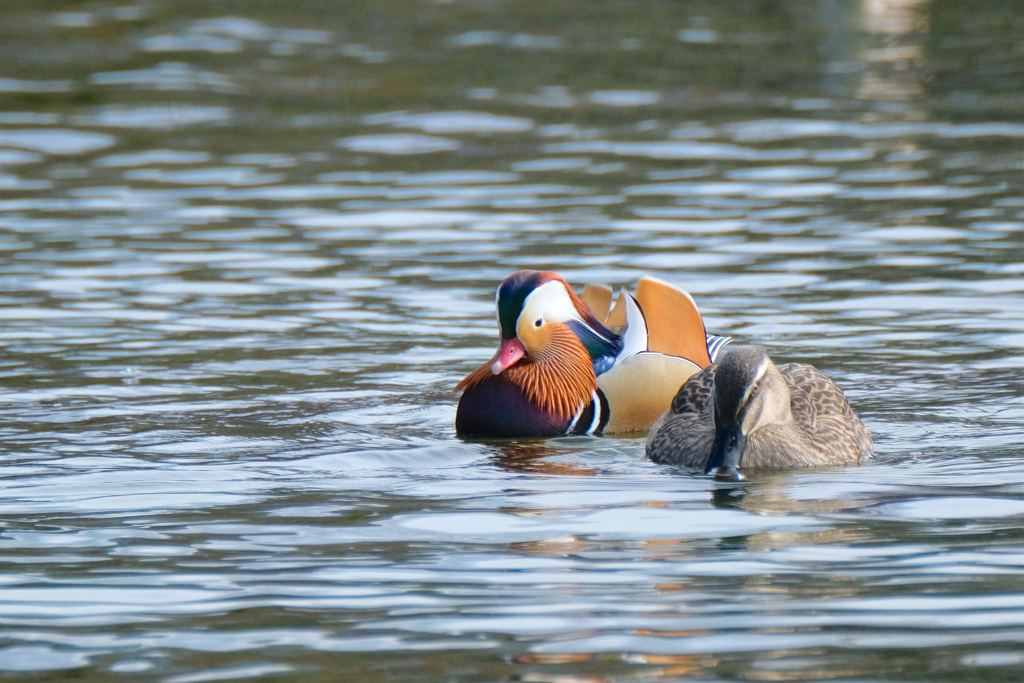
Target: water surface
247,251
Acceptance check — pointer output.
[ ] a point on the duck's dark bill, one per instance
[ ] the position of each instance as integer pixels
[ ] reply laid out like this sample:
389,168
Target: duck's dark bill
727,474
726,452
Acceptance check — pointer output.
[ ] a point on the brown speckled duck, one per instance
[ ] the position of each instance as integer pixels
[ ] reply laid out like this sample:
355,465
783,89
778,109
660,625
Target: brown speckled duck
572,364
745,412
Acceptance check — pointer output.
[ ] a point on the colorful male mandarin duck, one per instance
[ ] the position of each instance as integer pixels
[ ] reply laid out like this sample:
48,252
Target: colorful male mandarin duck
576,365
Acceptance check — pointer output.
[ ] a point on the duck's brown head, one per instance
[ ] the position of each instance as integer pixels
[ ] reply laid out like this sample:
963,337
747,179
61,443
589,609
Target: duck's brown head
749,394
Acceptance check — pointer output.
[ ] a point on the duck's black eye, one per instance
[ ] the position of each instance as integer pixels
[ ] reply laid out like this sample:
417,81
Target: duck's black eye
538,322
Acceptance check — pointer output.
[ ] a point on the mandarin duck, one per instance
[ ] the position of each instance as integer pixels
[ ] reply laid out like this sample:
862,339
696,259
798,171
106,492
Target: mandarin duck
571,364
747,412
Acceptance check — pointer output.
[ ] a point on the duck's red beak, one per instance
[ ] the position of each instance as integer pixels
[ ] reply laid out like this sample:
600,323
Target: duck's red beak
509,353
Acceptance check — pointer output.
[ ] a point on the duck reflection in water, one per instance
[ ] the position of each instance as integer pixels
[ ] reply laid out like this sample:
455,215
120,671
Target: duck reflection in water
534,457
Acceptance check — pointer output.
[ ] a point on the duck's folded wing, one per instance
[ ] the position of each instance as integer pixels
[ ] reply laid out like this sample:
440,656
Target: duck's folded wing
598,299
640,388
686,433
674,325
616,318
663,343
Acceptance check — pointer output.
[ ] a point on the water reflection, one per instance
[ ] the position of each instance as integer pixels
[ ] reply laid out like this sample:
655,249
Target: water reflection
538,457
895,60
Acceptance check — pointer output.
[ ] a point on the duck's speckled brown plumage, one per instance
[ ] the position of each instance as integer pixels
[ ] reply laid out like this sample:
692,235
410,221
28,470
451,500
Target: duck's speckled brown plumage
823,430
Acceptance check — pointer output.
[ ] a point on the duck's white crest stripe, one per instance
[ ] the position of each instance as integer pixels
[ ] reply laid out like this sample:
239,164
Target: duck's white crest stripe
575,419
550,301
761,369
596,422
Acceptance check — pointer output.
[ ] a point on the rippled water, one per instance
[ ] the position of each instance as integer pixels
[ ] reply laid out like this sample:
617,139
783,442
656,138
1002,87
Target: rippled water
246,251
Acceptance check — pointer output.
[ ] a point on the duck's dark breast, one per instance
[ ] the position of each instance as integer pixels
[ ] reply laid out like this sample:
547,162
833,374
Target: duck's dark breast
497,407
